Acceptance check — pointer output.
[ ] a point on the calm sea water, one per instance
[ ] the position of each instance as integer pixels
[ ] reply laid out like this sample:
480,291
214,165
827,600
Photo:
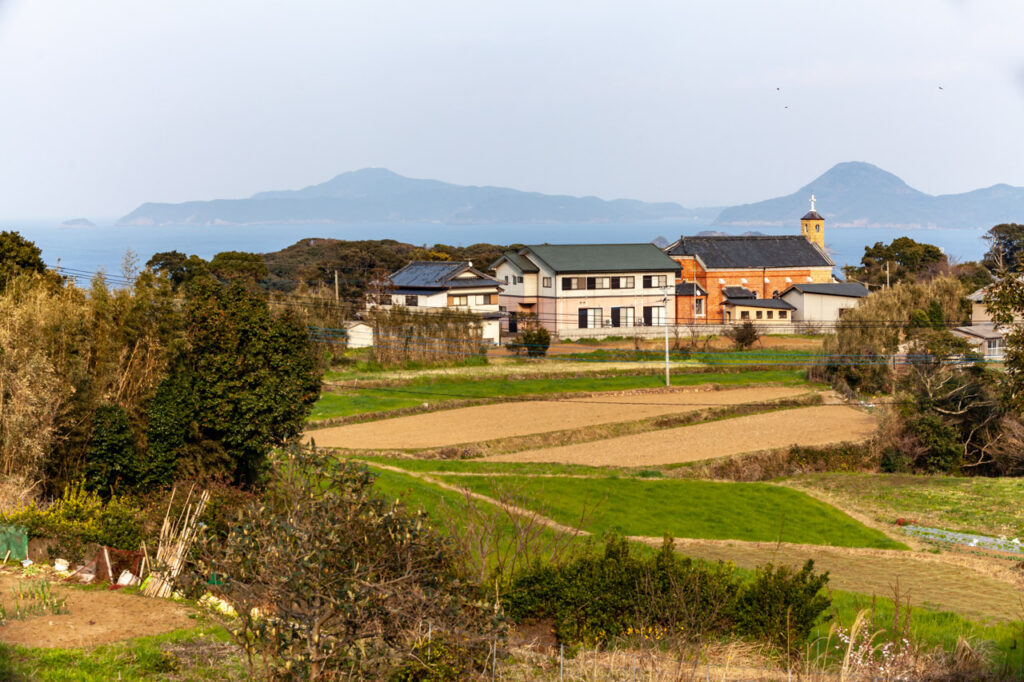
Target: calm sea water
104,247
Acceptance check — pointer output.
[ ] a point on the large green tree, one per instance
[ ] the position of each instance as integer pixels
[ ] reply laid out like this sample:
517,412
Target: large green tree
18,255
1005,247
901,260
244,385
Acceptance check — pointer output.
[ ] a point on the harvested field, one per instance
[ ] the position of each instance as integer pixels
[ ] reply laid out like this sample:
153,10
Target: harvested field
94,617
808,426
488,422
970,586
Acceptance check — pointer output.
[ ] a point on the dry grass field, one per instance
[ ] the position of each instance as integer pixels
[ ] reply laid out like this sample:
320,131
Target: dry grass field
808,426
506,420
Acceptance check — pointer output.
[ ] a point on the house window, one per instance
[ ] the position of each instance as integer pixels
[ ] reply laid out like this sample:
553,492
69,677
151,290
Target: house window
506,279
412,301
744,314
458,300
770,314
520,279
782,314
572,283
622,282
996,344
545,282
622,317
654,315
698,306
654,281
599,282
589,318
759,314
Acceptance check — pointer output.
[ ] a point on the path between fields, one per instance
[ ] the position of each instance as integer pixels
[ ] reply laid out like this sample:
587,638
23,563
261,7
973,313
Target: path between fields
521,418
969,585
807,426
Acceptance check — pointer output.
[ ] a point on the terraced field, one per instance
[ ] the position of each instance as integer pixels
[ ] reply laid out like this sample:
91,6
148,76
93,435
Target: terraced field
505,420
807,426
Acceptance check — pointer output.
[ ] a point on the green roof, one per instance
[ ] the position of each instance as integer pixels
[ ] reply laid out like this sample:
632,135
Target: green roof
524,264
569,258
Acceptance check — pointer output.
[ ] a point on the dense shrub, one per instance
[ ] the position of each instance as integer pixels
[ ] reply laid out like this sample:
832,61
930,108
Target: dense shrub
533,339
595,599
781,604
329,581
80,517
111,461
744,335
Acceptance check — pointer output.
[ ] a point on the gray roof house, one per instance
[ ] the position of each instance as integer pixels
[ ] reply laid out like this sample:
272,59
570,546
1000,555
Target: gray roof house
823,303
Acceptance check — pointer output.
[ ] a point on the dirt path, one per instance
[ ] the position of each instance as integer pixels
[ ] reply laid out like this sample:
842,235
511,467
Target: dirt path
506,420
94,616
809,426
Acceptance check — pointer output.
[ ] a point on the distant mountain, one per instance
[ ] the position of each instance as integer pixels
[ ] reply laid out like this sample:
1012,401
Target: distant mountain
378,195
857,194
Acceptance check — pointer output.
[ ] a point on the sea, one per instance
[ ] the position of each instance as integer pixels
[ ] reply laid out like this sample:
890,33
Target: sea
104,247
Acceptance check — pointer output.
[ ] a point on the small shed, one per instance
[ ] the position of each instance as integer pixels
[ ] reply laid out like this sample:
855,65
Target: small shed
359,334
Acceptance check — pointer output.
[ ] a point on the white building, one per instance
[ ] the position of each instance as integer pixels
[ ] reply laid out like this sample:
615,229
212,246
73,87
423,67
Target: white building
823,303
449,284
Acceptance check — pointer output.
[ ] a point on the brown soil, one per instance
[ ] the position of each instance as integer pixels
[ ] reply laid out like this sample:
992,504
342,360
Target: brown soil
970,586
95,616
505,420
808,426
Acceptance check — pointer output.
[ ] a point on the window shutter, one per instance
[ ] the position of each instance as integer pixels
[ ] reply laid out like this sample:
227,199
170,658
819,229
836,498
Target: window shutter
615,282
648,315
591,282
647,282
583,318
616,317
566,283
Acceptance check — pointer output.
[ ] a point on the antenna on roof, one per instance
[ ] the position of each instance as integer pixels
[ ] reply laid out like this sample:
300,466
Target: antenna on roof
812,203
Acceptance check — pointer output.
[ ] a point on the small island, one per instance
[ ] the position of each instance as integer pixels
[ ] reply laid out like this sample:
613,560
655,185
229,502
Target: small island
78,223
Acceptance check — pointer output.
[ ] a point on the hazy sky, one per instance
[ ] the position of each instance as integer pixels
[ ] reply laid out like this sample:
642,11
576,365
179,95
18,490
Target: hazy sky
104,105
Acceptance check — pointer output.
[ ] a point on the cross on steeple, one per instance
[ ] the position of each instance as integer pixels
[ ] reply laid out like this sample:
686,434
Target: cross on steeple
812,202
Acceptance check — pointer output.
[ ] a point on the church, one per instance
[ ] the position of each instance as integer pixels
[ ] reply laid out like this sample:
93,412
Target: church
725,280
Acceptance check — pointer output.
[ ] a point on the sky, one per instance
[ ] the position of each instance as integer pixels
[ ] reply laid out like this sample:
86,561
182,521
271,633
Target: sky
108,104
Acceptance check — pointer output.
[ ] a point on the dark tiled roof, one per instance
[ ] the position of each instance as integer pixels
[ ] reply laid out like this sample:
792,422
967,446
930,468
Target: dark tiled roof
438,275
738,292
577,258
773,303
812,215
686,289
752,252
848,289
522,262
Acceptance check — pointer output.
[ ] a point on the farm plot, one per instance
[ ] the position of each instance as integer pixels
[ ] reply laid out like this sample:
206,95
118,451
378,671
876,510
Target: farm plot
505,420
808,426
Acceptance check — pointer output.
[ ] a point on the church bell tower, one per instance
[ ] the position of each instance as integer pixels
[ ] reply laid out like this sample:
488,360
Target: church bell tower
812,227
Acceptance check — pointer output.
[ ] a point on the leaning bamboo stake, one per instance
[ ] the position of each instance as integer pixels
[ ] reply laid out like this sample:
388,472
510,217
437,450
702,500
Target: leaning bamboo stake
175,540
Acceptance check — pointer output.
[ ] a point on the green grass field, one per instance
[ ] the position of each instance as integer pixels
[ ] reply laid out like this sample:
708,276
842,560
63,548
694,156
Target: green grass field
435,390
991,506
158,657
687,509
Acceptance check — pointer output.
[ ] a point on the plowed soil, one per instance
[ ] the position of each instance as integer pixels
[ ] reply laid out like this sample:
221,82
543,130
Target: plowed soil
808,426
94,617
505,420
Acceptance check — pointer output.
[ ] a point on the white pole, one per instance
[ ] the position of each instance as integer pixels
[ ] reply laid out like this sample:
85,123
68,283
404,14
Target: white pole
665,322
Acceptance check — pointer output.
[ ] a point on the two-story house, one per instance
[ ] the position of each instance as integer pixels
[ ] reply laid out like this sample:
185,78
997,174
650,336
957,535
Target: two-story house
577,287
752,268
449,284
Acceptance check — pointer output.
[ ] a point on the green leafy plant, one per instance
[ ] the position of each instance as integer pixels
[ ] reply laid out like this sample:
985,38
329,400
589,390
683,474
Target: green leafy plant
744,335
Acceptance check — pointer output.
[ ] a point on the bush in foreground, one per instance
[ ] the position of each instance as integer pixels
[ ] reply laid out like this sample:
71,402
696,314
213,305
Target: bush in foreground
595,599
329,581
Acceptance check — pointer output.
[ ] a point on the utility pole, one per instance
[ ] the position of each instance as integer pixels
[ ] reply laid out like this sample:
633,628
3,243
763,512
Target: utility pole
665,322
886,274
335,286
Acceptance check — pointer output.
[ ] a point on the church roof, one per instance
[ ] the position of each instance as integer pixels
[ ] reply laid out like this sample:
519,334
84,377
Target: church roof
812,215
752,252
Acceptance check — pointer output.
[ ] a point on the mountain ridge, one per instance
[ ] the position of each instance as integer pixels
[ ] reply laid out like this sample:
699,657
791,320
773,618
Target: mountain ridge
850,194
